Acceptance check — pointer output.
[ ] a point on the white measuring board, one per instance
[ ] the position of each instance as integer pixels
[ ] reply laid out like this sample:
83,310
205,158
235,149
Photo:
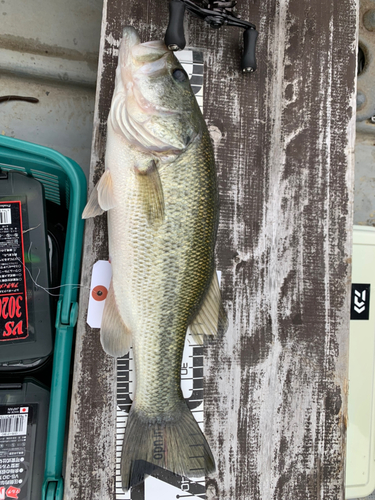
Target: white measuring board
166,485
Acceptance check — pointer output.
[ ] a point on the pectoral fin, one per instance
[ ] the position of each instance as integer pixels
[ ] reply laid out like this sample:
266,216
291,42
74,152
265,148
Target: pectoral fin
115,336
211,315
151,191
101,198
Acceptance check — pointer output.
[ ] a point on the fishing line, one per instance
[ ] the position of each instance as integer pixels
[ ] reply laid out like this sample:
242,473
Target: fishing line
30,229
75,285
29,255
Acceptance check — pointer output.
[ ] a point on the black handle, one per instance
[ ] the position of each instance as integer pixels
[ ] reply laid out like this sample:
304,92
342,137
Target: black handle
174,36
249,62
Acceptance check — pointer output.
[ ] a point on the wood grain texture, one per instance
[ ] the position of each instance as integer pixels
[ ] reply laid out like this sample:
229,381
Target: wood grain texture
275,385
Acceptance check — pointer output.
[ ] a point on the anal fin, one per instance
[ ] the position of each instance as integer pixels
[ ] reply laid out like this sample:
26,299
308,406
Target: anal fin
115,336
211,316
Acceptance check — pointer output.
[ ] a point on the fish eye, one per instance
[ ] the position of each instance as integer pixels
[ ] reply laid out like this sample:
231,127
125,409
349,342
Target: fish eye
180,75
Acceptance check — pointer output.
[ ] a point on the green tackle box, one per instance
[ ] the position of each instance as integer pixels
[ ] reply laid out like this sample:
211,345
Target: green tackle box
64,183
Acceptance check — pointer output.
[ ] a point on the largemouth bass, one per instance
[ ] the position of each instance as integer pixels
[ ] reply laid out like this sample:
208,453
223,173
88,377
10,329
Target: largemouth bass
160,191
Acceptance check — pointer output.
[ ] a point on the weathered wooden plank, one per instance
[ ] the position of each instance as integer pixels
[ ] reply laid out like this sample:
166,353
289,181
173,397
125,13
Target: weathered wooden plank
275,386
285,228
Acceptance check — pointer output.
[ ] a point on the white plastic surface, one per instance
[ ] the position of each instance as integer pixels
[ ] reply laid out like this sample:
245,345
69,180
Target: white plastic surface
360,464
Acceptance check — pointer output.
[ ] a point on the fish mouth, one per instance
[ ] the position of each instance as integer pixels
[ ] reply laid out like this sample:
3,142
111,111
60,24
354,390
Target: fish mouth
148,58
130,37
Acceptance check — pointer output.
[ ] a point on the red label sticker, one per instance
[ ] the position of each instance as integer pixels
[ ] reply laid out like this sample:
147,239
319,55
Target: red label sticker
99,293
13,298
2,493
12,492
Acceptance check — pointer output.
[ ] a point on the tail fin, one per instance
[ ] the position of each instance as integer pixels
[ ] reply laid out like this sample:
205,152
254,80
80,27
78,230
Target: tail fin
174,442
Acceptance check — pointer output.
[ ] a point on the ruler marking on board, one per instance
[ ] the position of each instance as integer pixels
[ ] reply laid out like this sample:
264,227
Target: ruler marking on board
192,61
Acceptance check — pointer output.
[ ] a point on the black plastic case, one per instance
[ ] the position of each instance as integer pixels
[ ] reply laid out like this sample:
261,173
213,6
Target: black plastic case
23,436
26,333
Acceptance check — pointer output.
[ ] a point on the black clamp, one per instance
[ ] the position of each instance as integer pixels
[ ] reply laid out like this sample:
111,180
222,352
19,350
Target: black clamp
216,13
